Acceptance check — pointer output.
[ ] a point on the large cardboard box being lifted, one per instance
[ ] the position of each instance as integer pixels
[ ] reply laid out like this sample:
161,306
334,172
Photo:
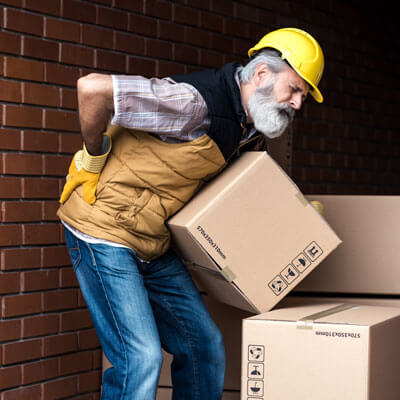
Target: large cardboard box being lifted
249,237
368,260
320,351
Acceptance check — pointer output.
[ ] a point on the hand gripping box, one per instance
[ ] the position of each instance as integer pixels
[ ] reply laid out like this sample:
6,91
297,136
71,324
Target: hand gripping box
317,351
249,237
368,260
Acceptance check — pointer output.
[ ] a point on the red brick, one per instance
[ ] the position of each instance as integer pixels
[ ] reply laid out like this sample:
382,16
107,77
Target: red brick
197,37
20,258
129,43
30,164
44,6
41,234
106,60
56,165
40,141
39,188
77,55
39,280
170,31
98,37
40,325
212,22
112,18
141,66
89,381
9,282
55,256
68,278
225,7
97,358
69,98
10,90
60,300
17,3
61,74
60,344
31,393
24,22
21,351
10,235
74,320
160,9
10,139
186,15
62,30
10,330
40,48
10,377
60,388
142,24
129,5
88,339
63,120
211,59
40,371
15,211
77,362
49,210
10,188
167,68
70,143
186,54
22,116
158,49
22,304
23,69
34,93
79,11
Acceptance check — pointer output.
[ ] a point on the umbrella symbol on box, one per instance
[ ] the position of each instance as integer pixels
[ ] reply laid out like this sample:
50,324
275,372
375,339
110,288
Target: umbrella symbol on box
255,388
301,262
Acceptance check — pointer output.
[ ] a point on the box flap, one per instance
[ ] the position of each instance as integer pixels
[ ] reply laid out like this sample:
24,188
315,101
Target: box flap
350,314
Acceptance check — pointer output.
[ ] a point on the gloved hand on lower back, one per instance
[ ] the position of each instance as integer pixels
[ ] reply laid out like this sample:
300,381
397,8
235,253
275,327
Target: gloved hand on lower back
85,170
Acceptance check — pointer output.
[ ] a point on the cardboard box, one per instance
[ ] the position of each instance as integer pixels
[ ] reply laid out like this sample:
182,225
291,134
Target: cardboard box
327,351
368,260
249,237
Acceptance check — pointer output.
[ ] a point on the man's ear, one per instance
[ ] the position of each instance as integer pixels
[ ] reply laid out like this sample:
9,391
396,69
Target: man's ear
261,74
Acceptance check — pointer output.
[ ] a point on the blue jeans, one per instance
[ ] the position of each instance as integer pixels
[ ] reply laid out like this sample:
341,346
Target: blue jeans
138,308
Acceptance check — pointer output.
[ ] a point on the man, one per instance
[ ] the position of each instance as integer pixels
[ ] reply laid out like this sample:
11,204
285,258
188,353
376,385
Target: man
167,137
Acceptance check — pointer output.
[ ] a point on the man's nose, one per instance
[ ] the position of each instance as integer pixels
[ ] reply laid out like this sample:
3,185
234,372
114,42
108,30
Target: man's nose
296,101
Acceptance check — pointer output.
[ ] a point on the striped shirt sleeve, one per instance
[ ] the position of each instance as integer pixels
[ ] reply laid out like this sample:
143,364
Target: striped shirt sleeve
173,111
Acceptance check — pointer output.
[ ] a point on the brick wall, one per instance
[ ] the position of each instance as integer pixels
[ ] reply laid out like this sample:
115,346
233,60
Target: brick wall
48,348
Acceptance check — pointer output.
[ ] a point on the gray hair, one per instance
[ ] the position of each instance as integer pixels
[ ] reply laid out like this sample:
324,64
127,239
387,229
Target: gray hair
270,57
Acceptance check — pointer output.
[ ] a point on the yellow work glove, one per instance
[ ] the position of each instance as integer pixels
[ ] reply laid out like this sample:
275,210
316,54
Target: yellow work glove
85,170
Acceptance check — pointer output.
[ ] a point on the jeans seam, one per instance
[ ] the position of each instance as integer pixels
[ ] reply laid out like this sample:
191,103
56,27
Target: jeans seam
168,305
113,316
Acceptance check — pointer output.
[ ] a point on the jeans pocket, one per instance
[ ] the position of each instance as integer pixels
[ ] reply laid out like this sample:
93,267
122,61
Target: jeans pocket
73,249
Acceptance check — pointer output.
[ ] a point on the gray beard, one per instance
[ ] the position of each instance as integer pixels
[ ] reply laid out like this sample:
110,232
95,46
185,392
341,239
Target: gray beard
269,117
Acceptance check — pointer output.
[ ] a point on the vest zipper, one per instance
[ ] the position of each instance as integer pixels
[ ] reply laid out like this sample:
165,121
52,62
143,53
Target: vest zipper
237,151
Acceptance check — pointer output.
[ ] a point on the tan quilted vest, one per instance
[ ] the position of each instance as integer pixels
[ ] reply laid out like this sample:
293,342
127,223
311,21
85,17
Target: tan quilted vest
144,182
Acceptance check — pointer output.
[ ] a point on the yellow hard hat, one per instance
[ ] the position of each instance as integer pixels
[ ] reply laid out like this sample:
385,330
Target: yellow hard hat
301,51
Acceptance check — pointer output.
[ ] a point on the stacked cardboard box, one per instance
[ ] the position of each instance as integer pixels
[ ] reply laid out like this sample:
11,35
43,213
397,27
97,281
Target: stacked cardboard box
350,307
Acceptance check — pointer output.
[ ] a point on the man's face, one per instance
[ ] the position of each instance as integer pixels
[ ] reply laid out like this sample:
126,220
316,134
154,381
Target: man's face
274,102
